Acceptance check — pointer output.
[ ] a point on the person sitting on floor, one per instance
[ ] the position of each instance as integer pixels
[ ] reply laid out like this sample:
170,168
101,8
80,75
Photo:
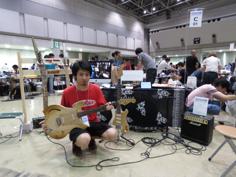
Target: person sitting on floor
83,90
218,91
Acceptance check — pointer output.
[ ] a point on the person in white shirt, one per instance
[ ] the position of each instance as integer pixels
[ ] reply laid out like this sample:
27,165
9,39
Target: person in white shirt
211,67
163,65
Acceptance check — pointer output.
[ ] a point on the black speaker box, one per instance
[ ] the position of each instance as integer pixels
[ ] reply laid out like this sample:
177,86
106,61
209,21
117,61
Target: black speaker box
36,122
197,128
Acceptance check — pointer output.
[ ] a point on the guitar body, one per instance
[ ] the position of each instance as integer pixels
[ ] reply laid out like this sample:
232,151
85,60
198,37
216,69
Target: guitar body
61,120
120,122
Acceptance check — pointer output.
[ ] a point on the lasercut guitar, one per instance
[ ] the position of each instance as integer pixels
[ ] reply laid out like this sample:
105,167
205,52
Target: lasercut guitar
61,120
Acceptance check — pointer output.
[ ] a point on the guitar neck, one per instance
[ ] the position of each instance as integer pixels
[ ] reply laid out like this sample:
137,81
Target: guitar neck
44,86
43,74
118,96
88,112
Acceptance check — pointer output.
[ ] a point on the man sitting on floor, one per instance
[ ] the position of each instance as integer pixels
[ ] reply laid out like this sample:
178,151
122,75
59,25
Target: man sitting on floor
91,93
218,91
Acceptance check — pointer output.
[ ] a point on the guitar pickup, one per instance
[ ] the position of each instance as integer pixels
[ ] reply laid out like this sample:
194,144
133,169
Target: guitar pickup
59,121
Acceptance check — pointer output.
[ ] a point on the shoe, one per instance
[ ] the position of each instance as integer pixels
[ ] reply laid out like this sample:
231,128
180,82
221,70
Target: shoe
92,145
76,150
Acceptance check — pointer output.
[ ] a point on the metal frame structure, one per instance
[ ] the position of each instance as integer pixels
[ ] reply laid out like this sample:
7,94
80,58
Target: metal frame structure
146,8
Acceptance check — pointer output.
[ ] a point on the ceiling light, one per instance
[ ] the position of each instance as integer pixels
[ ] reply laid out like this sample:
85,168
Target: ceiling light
145,11
80,50
220,50
178,0
7,46
154,8
26,48
68,48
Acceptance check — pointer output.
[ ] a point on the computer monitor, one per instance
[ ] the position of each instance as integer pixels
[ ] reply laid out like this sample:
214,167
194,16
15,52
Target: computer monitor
101,72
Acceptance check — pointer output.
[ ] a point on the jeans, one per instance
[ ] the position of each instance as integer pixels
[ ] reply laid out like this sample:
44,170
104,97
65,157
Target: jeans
212,109
151,75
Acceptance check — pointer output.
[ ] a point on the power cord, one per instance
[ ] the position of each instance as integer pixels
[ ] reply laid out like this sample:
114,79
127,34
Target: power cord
150,142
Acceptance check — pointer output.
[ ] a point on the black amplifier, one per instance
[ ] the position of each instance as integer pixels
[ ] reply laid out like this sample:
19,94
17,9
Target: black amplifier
36,122
197,128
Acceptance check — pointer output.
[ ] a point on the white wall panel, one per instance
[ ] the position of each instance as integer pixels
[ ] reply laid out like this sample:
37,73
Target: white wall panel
138,43
73,33
122,42
102,38
10,21
130,43
34,25
89,35
224,31
56,29
112,40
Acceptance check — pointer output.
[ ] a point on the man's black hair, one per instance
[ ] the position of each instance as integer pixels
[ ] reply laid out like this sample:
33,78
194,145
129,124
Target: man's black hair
181,64
222,83
15,66
167,59
115,53
81,65
61,55
164,56
51,55
138,51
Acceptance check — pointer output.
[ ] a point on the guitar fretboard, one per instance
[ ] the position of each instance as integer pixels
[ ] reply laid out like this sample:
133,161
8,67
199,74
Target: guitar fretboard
88,112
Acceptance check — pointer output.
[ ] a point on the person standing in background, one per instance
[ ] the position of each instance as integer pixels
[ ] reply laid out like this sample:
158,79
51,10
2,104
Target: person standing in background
233,68
211,67
192,63
116,67
148,63
127,64
164,64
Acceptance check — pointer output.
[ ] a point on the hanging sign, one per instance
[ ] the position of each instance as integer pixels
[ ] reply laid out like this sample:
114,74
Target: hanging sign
195,18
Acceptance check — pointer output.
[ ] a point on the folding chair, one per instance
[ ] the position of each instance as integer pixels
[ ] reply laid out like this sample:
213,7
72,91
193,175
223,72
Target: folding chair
230,134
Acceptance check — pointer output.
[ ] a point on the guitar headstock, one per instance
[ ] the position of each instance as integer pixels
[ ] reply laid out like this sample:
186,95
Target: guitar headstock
66,62
37,52
125,101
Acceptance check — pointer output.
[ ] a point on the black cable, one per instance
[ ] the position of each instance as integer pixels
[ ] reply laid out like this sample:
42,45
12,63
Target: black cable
99,166
150,142
131,146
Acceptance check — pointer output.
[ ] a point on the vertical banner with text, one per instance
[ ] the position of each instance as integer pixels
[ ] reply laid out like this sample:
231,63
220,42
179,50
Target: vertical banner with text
195,18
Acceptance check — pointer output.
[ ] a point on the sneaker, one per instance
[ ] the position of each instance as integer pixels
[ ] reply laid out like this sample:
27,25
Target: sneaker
76,150
92,145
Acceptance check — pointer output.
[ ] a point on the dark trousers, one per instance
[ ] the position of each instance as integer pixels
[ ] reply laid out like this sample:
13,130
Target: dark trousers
151,75
209,77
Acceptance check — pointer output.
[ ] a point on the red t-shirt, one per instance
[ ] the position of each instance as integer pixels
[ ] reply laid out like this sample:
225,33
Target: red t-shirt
93,95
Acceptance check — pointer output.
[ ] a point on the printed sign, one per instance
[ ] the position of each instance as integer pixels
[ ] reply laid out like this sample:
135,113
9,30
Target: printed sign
195,18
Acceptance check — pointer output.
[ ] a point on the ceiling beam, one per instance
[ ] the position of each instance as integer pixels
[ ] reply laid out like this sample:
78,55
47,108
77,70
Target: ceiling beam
177,4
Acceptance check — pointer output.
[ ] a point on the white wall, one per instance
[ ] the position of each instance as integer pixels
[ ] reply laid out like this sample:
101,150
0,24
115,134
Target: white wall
10,57
224,31
72,20
211,9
